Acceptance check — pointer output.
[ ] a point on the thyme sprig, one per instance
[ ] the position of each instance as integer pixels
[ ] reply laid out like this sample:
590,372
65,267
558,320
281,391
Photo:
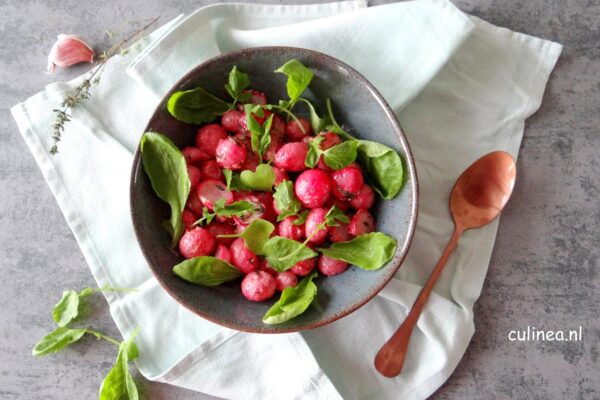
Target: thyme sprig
83,91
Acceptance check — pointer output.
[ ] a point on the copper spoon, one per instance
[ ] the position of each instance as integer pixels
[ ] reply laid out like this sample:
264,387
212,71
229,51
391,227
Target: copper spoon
477,198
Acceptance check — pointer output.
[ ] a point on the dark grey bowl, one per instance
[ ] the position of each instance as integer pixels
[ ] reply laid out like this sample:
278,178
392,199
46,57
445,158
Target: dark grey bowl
359,106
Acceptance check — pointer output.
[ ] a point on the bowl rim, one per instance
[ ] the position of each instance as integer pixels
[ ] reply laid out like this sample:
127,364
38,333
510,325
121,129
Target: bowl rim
408,164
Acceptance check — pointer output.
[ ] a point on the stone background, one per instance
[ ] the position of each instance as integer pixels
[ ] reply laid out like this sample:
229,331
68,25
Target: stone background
543,271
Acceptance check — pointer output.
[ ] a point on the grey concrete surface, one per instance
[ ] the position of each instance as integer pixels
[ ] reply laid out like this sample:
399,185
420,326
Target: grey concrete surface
544,270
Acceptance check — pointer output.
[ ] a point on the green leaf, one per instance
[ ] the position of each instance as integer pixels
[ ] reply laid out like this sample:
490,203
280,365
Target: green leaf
255,235
314,151
341,155
57,340
283,253
299,78
381,163
119,384
335,214
166,167
238,81
301,218
232,180
237,208
369,251
260,136
383,167
206,271
294,301
196,106
67,308
261,179
317,123
285,200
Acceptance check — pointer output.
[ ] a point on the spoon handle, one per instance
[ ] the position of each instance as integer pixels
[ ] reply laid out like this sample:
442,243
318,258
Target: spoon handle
390,358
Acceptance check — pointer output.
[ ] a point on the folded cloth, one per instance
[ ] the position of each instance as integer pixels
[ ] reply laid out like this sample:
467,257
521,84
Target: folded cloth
461,88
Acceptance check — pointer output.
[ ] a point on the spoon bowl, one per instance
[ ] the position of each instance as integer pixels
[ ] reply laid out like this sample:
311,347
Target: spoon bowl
478,196
482,190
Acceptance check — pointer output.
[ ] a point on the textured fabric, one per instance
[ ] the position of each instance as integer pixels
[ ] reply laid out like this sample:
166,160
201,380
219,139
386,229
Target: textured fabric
461,88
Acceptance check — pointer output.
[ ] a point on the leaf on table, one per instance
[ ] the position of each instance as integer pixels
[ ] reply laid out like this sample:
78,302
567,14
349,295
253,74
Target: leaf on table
57,340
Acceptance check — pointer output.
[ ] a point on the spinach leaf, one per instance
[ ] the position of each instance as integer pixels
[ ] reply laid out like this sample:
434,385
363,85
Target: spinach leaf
67,308
381,163
282,253
261,179
317,123
57,340
285,200
293,301
383,167
206,271
196,106
314,151
336,157
166,167
260,135
299,78
369,251
255,235
238,81
341,155
237,208
335,214
301,218
119,384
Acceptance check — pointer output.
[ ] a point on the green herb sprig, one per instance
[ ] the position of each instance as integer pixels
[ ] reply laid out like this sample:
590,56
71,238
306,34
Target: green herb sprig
82,92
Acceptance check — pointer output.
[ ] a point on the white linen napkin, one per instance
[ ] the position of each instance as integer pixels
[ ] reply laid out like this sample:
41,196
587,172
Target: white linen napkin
461,88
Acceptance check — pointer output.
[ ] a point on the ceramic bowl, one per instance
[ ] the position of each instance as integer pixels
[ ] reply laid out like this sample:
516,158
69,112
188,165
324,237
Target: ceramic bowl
359,106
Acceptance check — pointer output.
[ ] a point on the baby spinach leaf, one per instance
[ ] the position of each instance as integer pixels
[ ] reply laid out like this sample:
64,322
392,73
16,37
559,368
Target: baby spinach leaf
299,78
70,305
196,106
285,200
119,384
238,81
383,167
67,308
369,251
261,179
335,214
57,340
282,253
301,218
314,152
237,208
166,167
206,271
294,301
255,235
341,155
381,163
260,136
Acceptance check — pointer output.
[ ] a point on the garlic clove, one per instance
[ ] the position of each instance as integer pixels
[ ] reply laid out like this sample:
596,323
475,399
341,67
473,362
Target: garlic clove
69,50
